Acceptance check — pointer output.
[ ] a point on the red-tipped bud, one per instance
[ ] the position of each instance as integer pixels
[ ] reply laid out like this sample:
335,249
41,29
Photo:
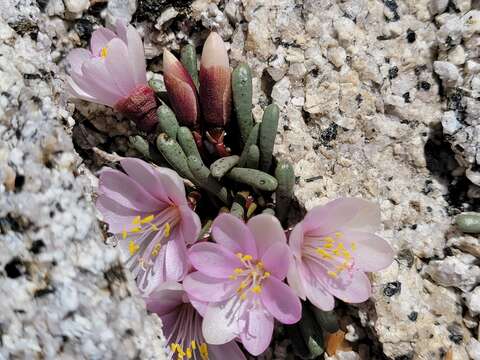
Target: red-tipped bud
215,88
181,90
140,106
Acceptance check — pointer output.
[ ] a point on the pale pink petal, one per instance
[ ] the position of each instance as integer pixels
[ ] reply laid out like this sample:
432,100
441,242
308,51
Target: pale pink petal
165,298
200,306
169,321
124,190
144,174
258,333
342,214
117,216
295,280
295,240
372,253
75,91
352,288
205,288
266,230
118,64
316,292
176,260
190,226
99,81
229,351
173,185
220,323
277,260
100,39
76,58
137,55
214,260
232,233
99,95
281,301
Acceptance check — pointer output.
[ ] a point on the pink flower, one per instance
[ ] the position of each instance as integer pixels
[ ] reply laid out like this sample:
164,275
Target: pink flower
147,210
182,325
113,73
240,276
332,248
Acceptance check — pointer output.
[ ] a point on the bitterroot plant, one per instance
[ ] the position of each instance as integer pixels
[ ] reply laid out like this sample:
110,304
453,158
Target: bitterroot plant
203,214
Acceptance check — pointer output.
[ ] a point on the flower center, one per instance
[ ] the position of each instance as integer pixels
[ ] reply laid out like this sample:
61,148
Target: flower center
334,254
187,332
103,52
252,274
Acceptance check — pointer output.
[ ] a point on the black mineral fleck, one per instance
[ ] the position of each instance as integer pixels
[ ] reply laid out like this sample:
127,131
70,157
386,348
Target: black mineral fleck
392,288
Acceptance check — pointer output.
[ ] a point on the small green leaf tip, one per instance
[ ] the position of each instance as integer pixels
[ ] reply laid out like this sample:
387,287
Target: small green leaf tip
286,180
175,156
187,142
206,180
255,178
326,319
311,332
188,58
242,99
147,150
223,165
252,140
267,134
157,85
253,157
468,222
167,122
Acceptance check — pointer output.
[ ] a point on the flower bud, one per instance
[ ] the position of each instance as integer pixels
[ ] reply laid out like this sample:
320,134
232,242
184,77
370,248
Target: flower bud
181,90
215,88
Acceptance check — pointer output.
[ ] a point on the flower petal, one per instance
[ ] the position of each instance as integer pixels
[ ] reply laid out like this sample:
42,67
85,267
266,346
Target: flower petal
176,260
230,351
144,174
316,292
280,301
100,39
98,82
214,260
124,190
121,30
258,333
266,230
136,55
372,253
117,216
232,233
190,225
342,214
356,289
277,259
118,64
165,298
220,323
208,289
295,240
173,185
75,91
295,280
76,58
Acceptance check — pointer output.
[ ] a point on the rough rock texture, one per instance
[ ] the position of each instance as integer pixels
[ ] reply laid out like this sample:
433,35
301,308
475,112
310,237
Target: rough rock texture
64,294
378,99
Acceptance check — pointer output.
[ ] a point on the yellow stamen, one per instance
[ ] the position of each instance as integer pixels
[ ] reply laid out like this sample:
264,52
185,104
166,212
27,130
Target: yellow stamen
266,275
247,257
232,277
154,227
239,255
194,345
156,250
260,265
173,346
189,353
124,234
132,247
103,52
338,234
328,239
353,246
242,286
136,230
167,230
332,274
147,219
324,254
243,296
346,254
257,289
136,220
204,351
328,246
238,271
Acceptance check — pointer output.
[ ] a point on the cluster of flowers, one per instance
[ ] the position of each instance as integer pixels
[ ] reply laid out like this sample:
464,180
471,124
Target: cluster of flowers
228,285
